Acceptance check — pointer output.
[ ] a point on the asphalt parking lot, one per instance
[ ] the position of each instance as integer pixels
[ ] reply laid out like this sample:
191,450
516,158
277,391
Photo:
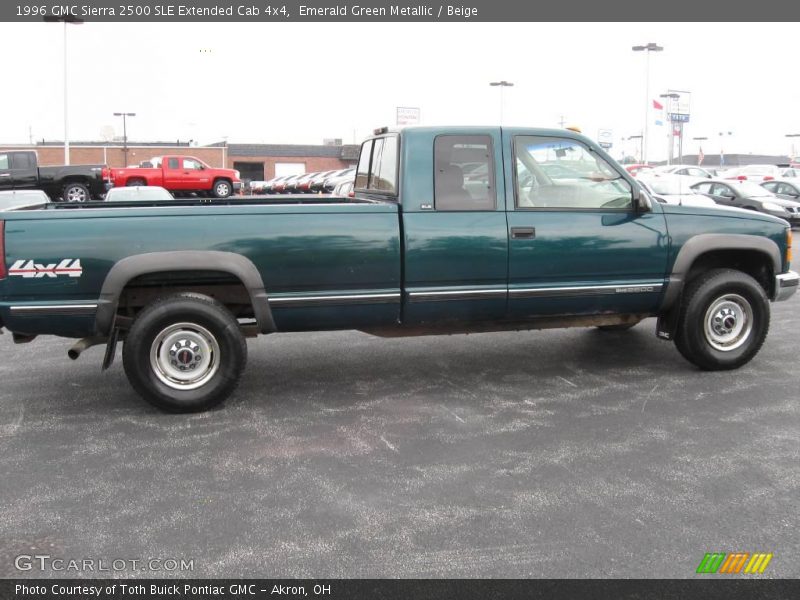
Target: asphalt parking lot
563,453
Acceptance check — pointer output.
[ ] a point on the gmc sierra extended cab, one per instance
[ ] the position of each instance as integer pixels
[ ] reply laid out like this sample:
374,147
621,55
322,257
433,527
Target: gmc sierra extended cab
20,170
180,174
450,230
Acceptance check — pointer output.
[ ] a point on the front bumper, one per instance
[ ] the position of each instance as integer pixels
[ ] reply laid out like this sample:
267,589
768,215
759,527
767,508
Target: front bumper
237,185
785,285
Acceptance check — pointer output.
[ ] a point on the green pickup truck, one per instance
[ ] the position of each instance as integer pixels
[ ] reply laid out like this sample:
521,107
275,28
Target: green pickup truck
450,230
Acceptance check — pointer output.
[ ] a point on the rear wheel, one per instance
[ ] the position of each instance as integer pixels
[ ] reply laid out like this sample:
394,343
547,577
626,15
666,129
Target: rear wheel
76,192
724,320
222,188
184,353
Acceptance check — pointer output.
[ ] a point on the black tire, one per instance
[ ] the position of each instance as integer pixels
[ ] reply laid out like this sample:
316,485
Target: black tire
76,192
135,182
713,306
187,329
222,188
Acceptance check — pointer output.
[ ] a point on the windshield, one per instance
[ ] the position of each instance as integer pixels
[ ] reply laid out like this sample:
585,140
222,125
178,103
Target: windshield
751,189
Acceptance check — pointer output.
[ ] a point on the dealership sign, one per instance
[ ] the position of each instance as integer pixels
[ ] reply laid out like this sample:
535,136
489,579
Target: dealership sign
407,115
678,108
605,138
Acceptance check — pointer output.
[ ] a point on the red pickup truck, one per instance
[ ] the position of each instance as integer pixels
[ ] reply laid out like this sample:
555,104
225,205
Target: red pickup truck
180,174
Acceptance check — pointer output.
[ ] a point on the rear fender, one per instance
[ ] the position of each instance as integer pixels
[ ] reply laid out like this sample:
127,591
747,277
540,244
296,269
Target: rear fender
185,260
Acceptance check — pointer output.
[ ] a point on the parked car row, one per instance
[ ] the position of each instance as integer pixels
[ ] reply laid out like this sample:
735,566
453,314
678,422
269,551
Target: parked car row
322,182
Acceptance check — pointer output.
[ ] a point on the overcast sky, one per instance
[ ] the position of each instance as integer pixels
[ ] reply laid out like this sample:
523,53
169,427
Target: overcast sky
302,82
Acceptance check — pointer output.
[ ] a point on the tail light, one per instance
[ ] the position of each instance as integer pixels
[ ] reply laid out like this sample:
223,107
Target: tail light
742,178
768,177
3,271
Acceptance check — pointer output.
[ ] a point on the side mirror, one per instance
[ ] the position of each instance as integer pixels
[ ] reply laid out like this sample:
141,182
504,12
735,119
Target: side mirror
641,201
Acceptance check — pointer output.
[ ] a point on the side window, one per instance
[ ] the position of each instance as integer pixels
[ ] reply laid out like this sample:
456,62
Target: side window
553,172
21,160
377,165
362,171
4,161
172,163
384,165
772,187
464,173
723,191
190,163
703,188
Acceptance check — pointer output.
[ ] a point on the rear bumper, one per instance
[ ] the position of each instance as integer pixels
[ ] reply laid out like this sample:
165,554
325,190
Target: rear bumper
785,285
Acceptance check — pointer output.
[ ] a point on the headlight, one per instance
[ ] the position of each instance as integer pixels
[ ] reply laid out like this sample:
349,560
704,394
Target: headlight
774,207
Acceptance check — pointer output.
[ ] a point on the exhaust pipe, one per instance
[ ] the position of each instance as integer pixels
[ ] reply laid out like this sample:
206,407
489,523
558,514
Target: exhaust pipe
83,344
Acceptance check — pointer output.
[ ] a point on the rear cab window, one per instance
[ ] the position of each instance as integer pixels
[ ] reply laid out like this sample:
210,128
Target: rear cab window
464,178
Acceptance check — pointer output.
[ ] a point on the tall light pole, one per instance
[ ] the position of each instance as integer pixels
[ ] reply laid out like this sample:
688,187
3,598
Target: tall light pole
124,116
647,49
670,96
501,84
66,19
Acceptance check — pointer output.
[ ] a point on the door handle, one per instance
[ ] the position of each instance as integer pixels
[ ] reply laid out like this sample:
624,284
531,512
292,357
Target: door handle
523,233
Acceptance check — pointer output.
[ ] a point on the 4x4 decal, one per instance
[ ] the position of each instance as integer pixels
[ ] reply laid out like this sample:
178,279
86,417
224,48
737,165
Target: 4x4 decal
71,267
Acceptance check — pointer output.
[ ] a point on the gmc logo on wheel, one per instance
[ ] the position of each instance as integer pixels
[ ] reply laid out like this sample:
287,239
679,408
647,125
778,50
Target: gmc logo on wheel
30,269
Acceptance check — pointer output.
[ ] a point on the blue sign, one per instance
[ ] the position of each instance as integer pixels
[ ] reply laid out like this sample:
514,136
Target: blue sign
679,118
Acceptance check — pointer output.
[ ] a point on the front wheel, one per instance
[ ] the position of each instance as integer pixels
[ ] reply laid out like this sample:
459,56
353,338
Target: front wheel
222,189
724,320
184,353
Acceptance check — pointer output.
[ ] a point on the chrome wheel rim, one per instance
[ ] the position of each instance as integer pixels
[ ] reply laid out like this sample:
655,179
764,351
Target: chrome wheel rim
76,194
728,322
184,356
222,189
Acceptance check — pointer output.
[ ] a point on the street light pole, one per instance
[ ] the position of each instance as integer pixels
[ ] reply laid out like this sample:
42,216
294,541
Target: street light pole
66,19
650,47
124,133
501,84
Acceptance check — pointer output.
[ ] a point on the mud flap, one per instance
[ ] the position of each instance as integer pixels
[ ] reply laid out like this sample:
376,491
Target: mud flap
111,349
667,324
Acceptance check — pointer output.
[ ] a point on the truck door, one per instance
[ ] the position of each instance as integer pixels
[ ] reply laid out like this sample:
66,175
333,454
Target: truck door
195,175
454,227
18,170
577,244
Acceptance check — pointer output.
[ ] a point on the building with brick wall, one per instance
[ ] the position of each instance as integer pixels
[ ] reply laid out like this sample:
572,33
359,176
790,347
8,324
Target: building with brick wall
253,161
